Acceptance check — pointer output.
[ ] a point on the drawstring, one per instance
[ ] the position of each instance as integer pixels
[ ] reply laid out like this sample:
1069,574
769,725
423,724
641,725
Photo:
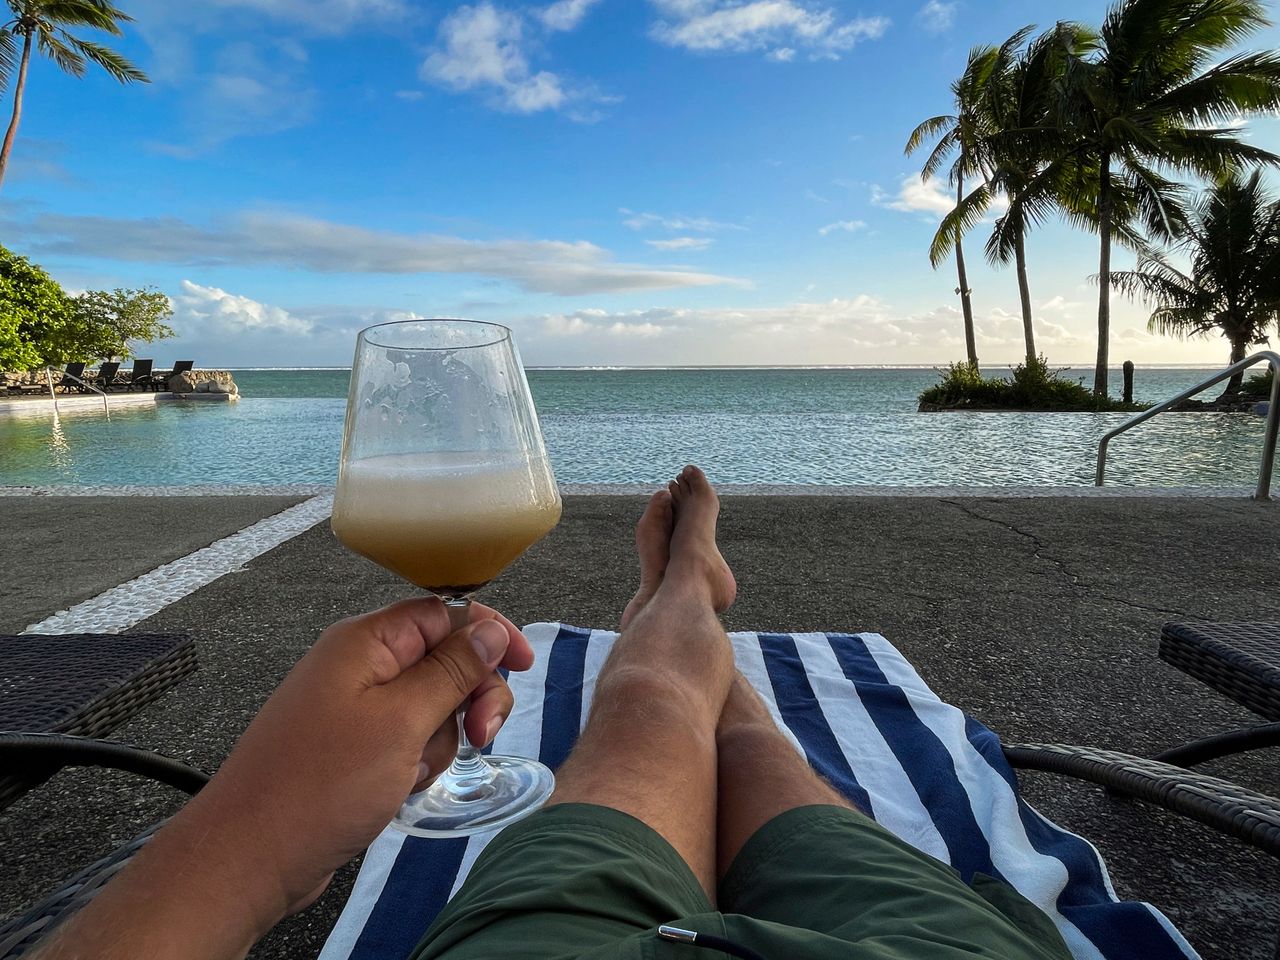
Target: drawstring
692,938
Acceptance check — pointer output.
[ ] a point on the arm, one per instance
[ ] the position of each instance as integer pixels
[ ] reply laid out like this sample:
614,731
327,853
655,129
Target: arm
359,721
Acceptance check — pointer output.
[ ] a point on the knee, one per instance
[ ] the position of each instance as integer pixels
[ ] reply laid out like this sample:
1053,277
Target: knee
650,694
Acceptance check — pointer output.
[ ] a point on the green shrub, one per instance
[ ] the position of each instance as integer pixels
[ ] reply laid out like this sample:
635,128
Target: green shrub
1033,387
1259,385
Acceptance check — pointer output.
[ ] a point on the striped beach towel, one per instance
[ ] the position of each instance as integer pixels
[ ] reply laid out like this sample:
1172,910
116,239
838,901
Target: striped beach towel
867,722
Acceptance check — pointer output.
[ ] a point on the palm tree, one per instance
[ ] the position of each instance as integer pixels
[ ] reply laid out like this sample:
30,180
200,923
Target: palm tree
1232,240
1009,108
961,134
1146,97
42,24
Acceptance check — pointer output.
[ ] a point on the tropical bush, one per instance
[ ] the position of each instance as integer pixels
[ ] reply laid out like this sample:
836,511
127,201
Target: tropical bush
1259,385
41,324
1034,386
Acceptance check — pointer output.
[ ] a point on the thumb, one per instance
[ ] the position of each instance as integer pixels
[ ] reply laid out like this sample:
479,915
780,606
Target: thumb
448,674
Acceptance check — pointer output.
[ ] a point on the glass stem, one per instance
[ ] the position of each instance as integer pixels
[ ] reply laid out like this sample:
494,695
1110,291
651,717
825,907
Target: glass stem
469,771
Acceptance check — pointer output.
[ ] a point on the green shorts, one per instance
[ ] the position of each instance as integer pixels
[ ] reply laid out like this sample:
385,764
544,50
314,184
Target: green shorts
582,881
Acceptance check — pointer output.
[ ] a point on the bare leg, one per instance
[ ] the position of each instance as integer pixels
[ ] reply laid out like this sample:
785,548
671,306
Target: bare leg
649,747
760,773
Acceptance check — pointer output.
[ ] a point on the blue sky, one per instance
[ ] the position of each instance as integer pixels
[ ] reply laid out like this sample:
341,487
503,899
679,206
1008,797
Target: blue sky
623,182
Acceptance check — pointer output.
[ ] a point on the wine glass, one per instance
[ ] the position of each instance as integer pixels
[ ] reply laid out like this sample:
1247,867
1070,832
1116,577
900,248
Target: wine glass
444,480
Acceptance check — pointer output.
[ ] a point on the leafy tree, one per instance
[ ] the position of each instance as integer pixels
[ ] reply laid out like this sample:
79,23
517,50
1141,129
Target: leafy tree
105,322
34,309
960,134
42,24
1232,240
1144,97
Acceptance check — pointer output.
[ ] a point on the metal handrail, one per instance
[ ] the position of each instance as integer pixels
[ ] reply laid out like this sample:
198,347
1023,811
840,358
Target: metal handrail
49,376
1273,419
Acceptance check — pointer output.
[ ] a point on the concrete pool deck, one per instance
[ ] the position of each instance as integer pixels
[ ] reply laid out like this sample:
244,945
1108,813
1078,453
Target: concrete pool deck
34,405
1040,616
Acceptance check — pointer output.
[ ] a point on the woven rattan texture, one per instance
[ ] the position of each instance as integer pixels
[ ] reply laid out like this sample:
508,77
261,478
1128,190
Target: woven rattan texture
1239,660
1235,810
83,684
21,934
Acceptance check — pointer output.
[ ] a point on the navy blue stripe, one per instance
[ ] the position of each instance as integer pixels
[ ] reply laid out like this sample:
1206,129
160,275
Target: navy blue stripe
1120,930
800,711
562,699
925,759
416,891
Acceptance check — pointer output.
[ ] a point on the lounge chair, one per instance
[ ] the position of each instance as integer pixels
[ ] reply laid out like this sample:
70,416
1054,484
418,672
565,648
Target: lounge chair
72,378
871,726
140,376
106,378
181,366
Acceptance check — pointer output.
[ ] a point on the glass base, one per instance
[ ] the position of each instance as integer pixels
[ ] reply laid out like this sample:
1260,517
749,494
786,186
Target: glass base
511,789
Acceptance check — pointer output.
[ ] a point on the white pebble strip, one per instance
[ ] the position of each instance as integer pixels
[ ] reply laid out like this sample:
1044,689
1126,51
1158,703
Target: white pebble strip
121,607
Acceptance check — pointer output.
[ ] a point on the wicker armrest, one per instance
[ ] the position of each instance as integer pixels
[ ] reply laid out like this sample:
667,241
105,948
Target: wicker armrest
44,753
1227,807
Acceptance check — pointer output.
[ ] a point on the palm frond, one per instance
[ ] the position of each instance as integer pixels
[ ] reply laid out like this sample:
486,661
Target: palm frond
110,61
967,214
99,14
8,56
67,58
933,127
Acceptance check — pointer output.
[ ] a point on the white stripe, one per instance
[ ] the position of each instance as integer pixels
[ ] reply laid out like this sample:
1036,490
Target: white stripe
521,735
1037,876
894,798
378,861
750,659
598,649
121,607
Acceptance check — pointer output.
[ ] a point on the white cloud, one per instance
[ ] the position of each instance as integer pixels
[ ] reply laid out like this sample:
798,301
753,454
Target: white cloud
916,195
410,96
483,47
251,90
302,243
815,196
938,16
848,226
681,243
931,196
565,14
778,27
585,323
643,221
210,310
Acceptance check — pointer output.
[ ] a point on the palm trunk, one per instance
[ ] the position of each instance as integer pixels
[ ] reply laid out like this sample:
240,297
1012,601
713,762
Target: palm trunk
1239,349
1024,289
12,133
1104,279
966,301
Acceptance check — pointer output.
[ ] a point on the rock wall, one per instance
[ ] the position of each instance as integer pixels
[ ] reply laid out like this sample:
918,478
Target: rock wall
203,381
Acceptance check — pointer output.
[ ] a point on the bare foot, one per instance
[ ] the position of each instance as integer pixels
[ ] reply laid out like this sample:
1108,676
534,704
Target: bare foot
696,563
653,547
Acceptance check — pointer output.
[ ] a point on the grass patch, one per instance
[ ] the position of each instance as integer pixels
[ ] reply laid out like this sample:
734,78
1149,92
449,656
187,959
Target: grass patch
1033,387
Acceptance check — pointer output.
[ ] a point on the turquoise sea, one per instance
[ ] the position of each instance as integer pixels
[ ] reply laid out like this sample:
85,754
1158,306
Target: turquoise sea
753,426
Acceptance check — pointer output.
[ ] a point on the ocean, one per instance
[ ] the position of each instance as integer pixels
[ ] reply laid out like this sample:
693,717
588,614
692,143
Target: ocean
849,427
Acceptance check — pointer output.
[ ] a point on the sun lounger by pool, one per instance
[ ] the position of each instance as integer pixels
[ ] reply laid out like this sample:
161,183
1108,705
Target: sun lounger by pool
106,378
181,366
140,376
72,378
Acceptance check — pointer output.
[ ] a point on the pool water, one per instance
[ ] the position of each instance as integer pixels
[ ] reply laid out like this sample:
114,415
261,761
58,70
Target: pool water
841,427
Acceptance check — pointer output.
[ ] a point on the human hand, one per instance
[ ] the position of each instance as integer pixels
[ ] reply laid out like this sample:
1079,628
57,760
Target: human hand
321,770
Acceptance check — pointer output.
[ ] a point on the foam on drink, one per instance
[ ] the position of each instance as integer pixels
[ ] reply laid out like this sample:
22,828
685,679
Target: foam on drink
448,522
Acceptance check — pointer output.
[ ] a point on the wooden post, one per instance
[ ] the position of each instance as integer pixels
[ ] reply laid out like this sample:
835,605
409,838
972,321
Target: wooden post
1128,381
